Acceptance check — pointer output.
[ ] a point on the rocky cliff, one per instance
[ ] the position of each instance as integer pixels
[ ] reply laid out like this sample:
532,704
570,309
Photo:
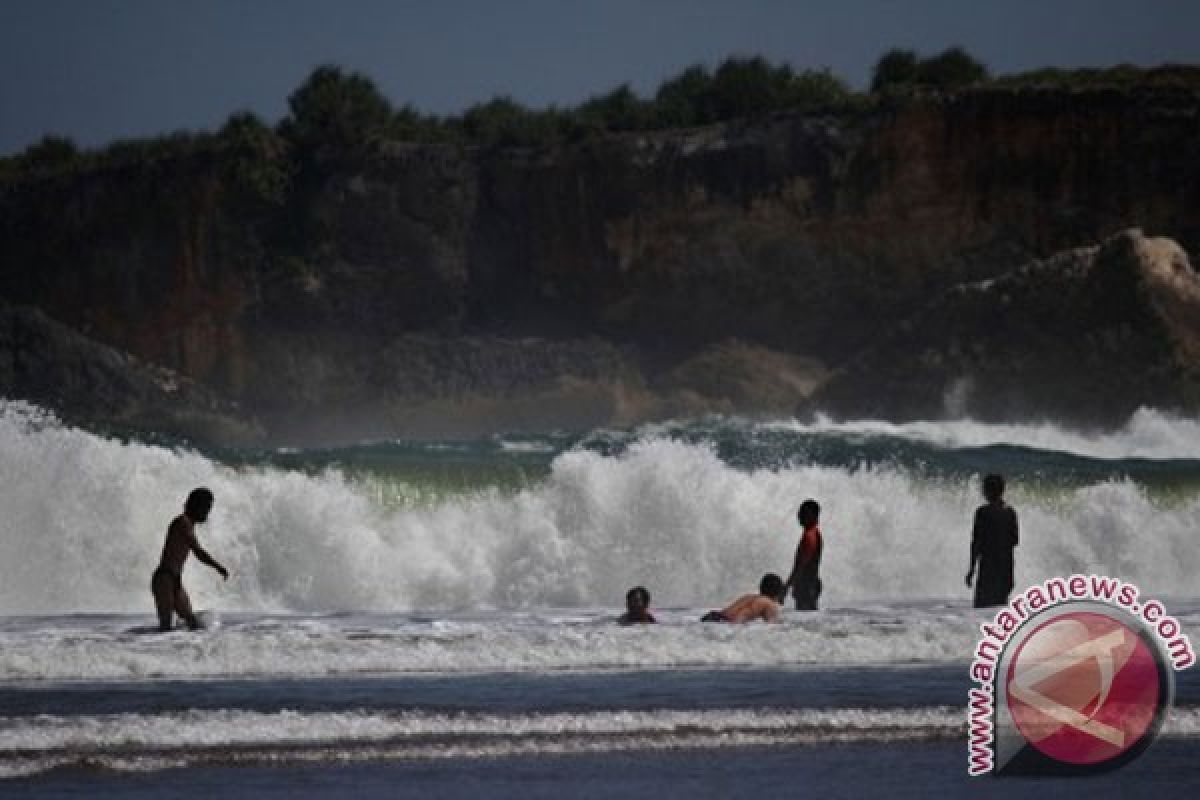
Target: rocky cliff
719,268
89,383
1088,335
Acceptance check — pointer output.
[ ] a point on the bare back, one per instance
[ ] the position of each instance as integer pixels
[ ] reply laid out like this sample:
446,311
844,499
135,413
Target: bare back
181,539
750,607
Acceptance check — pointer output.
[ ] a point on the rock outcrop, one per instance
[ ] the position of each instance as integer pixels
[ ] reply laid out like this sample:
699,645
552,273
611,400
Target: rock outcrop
1088,335
88,383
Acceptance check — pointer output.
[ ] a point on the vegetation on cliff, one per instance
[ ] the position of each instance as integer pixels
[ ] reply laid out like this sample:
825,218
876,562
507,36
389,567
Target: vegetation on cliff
339,116
357,253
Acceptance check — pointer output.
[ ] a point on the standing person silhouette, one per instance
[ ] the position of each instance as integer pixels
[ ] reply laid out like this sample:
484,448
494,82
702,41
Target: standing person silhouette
993,538
170,597
805,579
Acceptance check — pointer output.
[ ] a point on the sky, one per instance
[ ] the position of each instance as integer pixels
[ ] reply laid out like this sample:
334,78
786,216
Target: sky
100,70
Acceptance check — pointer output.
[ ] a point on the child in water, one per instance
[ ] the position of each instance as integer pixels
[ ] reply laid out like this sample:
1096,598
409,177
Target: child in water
805,578
993,538
637,608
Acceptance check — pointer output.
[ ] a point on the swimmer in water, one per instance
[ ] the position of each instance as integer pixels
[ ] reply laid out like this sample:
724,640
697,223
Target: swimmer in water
637,608
765,605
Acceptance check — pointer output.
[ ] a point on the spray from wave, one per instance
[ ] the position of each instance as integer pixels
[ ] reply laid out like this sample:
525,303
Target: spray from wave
84,518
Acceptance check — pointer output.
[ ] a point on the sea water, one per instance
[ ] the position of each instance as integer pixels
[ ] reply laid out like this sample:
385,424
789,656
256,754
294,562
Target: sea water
438,617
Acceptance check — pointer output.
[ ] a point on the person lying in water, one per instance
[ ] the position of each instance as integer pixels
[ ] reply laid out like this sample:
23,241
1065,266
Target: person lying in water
637,607
765,605
170,597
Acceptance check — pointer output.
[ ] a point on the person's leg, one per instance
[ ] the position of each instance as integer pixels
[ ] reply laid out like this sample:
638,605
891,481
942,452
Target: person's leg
806,597
183,607
162,585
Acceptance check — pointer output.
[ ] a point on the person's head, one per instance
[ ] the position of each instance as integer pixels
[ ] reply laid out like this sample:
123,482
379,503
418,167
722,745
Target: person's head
771,585
637,600
809,513
198,504
993,488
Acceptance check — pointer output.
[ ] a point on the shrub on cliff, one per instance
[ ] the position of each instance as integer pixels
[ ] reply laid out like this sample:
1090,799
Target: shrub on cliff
410,125
51,152
749,87
335,115
255,159
617,110
953,68
895,68
685,100
503,122
1122,76
743,88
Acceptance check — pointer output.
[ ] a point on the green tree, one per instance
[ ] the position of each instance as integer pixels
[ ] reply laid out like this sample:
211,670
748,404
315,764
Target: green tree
618,110
747,87
686,99
895,68
815,88
503,122
952,69
254,157
50,152
335,114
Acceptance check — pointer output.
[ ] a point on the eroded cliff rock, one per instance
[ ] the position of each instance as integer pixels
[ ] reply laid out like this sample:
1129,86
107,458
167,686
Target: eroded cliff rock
1088,335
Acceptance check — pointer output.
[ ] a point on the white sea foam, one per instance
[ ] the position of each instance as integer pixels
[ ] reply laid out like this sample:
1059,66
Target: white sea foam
41,649
142,742
90,648
190,729
84,518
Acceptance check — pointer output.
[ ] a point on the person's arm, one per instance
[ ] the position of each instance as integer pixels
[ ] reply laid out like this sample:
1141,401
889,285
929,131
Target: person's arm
975,547
1016,536
204,558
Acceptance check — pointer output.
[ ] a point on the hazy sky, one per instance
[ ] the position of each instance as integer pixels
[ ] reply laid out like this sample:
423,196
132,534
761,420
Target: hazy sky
96,70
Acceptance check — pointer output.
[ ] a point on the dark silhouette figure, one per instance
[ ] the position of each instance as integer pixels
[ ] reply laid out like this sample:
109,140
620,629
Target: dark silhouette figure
805,580
993,538
167,583
637,607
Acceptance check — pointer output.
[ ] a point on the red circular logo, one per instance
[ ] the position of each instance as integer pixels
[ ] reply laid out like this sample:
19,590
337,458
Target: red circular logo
1084,688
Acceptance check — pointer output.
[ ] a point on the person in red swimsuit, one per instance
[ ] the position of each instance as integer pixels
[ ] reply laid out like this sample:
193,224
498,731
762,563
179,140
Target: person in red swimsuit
805,580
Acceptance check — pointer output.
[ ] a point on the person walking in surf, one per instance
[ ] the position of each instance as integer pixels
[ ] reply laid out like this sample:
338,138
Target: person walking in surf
805,579
993,539
170,598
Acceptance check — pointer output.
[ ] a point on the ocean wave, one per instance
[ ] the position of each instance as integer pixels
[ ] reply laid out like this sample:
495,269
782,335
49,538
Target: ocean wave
85,517
1148,434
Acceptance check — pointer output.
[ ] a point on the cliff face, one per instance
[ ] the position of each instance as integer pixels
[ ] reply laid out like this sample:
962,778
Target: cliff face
806,235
